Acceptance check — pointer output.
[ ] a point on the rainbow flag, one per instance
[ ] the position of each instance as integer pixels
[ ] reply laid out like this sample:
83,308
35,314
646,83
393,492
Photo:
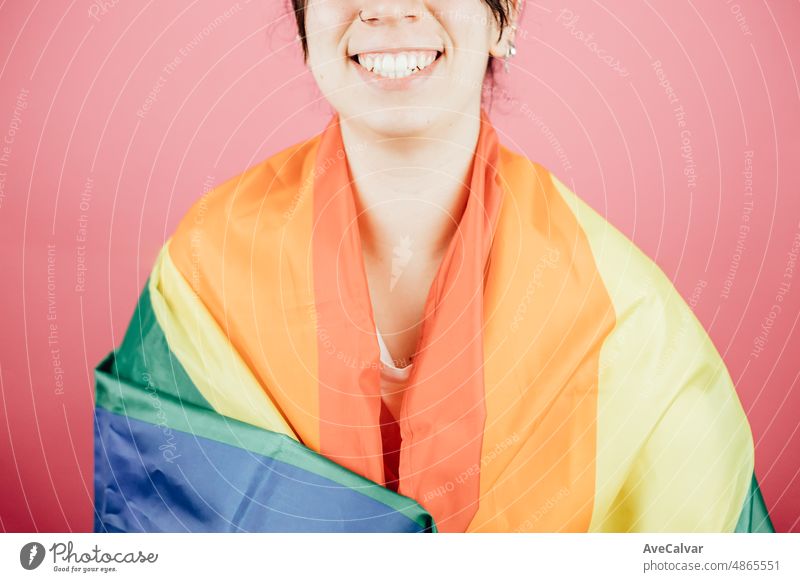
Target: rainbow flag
561,383
167,460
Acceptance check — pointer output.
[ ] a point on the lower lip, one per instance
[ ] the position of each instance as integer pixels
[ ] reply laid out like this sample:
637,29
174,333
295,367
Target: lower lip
388,84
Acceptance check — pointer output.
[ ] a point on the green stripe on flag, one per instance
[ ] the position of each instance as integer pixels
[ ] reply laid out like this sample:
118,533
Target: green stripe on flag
144,380
754,517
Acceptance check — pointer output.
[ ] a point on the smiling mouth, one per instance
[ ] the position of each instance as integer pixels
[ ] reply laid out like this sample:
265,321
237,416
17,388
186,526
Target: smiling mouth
396,65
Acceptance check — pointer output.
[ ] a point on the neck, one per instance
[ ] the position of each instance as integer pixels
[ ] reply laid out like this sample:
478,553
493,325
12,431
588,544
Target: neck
410,191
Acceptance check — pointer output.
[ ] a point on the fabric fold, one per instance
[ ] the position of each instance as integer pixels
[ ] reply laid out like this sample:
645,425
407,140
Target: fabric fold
561,382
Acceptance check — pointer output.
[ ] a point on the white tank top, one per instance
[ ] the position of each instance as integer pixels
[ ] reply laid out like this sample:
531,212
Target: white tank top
393,379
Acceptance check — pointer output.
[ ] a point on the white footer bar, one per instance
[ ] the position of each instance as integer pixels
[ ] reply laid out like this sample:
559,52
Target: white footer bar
490,557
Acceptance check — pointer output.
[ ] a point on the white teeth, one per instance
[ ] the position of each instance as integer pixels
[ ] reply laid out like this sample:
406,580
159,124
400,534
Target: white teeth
388,65
396,65
366,61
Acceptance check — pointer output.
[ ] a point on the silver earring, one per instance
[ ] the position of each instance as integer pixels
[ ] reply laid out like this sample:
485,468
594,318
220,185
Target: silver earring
512,50
359,16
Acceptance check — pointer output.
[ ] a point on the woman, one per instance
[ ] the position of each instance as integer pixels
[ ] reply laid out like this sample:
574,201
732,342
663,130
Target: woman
544,374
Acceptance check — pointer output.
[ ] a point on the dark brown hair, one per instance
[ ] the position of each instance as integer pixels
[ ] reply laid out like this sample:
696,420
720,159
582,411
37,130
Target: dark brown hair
500,8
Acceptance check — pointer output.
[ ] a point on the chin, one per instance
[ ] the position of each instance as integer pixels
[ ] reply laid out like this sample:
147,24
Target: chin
398,121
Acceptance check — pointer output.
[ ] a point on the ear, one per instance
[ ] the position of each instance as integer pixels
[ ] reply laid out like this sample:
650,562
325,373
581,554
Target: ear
501,40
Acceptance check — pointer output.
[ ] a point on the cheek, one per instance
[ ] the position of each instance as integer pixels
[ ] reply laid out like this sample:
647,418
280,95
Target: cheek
326,22
471,40
470,25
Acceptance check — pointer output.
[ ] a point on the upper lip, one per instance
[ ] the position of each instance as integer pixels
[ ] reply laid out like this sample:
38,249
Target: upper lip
394,50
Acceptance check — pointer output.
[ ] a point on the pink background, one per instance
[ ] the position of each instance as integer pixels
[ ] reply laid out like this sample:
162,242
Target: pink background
240,92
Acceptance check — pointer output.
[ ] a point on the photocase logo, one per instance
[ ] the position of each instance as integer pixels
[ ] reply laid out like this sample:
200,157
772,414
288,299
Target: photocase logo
402,255
31,555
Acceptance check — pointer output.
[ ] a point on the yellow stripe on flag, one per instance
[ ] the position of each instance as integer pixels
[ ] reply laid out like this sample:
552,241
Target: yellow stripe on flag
674,447
204,351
